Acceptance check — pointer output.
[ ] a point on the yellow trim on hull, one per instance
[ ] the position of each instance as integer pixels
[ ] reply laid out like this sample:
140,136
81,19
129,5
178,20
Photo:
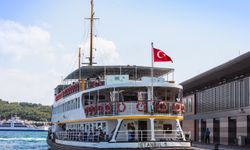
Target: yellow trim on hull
121,117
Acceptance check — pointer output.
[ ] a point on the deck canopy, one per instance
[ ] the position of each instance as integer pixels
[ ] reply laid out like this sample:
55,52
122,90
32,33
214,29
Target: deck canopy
134,72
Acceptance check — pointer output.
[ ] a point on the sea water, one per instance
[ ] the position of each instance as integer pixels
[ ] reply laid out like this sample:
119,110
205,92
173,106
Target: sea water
23,140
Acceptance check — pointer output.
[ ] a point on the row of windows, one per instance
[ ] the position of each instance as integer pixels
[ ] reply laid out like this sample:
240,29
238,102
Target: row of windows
87,127
70,105
230,95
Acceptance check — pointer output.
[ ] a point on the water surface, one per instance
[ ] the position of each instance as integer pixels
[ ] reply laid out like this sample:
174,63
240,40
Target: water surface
23,140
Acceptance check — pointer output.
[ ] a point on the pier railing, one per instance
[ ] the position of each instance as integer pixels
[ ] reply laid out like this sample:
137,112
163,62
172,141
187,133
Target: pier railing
133,108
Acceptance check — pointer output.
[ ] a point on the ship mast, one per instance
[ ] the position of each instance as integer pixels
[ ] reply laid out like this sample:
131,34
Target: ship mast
91,34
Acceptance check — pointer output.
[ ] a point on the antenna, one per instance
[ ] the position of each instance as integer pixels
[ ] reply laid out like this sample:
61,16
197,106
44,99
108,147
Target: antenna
91,33
79,64
92,13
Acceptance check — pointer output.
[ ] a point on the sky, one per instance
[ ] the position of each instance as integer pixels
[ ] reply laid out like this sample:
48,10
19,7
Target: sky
39,40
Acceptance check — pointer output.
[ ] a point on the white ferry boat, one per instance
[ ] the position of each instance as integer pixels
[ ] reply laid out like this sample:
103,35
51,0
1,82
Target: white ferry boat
16,124
117,107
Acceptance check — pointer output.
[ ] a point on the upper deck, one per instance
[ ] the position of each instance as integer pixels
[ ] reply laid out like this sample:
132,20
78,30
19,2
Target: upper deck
88,77
117,91
134,72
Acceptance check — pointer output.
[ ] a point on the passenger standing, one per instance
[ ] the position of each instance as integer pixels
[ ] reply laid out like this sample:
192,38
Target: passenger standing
207,136
133,131
202,136
129,132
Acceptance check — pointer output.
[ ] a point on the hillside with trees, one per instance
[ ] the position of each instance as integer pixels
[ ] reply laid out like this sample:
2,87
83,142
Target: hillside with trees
24,110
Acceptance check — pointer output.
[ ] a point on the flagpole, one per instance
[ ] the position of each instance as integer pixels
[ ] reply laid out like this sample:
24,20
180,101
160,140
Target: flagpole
152,77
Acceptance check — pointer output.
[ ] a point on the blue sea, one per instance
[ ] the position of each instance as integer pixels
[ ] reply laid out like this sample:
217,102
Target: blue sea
23,140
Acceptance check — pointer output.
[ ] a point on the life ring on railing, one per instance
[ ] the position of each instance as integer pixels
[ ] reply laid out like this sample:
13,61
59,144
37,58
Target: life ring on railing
100,108
86,110
162,107
90,110
108,108
93,108
182,108
121,107
176,108
141,106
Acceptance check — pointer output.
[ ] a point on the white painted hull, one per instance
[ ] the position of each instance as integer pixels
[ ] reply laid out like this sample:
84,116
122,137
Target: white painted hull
121,145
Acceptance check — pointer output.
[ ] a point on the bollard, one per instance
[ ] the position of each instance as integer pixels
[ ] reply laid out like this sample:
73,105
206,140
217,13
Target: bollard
216,146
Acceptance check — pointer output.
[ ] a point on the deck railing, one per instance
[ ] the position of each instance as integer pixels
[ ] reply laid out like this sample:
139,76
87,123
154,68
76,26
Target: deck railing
81,136
145,135
133,108
122,136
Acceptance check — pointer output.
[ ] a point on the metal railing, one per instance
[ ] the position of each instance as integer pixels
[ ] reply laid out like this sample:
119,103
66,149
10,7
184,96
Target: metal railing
132,108
81,136
122,136
145,135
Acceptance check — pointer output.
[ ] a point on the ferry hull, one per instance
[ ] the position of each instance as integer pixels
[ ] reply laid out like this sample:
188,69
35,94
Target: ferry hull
57,146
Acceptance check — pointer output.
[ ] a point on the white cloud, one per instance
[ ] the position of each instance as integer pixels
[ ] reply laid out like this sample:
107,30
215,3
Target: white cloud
20,41
105,53
33,65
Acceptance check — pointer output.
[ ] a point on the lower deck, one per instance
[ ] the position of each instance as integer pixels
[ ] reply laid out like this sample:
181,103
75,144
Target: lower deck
122,134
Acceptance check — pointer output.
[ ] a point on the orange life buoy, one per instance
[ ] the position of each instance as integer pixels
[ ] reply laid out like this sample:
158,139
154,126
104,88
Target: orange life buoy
100,108
141,106
86,109
121,107
108,108
93,109
182,108
176,108
162,107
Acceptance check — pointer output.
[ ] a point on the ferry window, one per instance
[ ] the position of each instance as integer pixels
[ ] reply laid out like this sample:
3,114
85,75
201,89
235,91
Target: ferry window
167,128
75,101
87,127
102,98
84,127
114,96
90,126
78,102
74,104
130,97
104,126
142,96
99,125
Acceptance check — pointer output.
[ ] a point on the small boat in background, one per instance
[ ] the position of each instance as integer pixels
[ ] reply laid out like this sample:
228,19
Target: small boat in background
16,124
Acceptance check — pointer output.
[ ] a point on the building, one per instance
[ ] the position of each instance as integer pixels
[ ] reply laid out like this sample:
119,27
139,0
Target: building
219,99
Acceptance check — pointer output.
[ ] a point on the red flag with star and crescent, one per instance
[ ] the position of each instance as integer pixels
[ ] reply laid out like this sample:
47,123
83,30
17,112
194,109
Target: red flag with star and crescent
160,56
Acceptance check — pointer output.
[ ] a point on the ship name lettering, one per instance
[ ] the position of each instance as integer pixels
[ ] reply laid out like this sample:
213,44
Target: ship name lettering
152,144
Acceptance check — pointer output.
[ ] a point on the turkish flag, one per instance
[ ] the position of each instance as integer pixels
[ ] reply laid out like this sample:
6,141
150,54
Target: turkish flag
160,56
